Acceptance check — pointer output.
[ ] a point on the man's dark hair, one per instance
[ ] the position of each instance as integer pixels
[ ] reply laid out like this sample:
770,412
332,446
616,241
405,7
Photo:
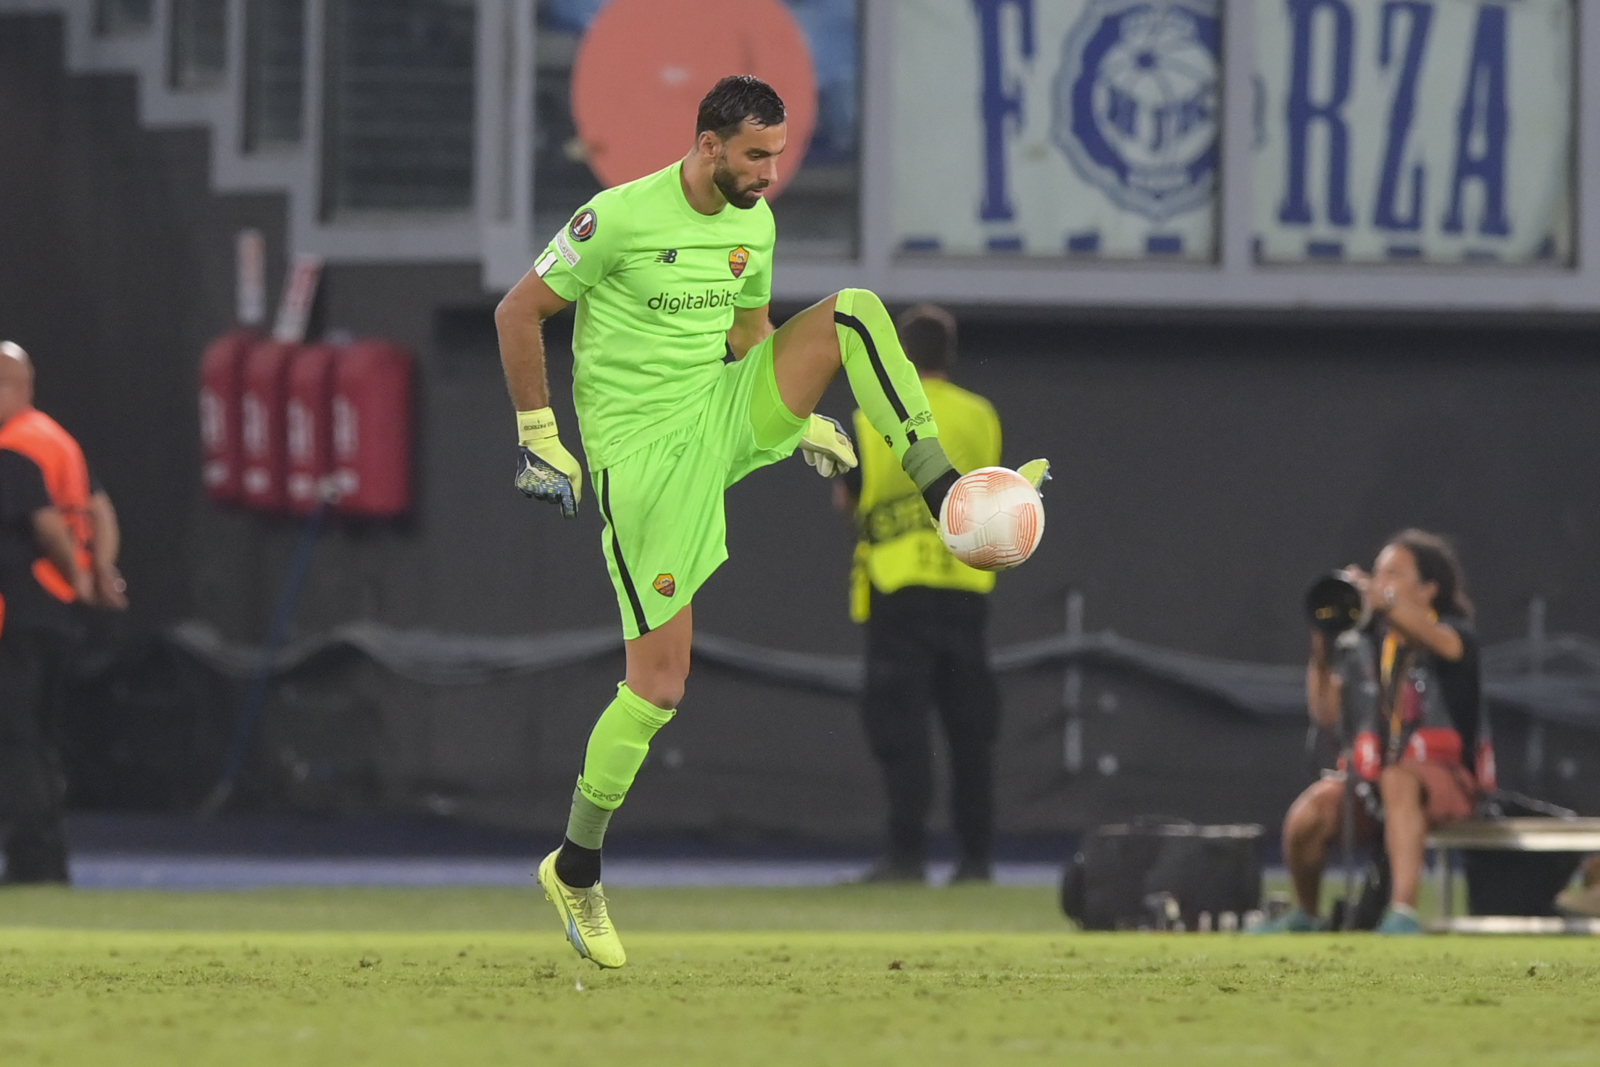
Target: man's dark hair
733,100
928,334
1437,562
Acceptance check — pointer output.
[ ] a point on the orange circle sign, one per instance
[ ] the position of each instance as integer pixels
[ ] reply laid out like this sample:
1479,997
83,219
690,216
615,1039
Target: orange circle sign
644,66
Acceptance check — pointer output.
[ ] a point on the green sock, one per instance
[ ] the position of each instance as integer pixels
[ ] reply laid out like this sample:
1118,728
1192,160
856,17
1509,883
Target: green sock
886,385
618,745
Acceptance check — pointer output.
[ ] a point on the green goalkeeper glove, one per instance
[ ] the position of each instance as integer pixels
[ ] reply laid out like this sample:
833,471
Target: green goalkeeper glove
547,471
827,447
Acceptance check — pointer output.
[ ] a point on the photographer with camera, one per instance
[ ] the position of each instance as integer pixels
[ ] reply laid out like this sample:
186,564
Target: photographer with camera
1403,685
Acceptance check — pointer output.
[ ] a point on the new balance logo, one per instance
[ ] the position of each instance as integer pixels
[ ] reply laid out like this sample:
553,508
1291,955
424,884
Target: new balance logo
669,256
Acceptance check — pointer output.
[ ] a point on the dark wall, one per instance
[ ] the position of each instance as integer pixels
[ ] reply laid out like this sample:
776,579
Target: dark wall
116,266
1205,470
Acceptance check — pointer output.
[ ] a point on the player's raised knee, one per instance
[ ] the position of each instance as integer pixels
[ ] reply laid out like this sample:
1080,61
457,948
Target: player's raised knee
663,687
859,304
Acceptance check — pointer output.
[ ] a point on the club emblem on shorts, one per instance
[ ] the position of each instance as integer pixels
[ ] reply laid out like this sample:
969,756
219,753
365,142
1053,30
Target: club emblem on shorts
738,259
665,585
583,225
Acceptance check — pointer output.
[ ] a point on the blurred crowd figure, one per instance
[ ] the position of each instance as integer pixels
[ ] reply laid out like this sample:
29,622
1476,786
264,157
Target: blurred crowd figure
927,618
58,555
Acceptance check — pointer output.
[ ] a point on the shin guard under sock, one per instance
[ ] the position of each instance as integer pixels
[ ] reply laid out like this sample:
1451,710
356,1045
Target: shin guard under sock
618,745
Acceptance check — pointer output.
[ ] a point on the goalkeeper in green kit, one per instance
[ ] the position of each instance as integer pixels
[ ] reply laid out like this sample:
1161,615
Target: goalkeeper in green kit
667,272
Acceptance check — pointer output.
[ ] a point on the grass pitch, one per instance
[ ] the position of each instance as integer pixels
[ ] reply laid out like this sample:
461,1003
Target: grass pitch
875,975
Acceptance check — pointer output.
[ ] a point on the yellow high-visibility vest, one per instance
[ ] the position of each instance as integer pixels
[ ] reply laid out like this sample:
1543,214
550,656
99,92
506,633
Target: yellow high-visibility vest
899,543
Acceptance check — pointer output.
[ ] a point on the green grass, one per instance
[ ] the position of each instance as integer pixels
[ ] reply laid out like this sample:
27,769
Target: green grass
665,910
852,975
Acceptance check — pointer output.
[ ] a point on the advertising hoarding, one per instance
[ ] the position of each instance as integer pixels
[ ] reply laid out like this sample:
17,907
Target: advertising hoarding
1084,128
1406,130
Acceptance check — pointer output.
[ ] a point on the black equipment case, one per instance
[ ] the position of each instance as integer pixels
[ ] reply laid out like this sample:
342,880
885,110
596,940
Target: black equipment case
1154,873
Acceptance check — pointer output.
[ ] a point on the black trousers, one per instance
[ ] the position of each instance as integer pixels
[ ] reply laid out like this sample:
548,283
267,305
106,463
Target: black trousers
927,650
32,785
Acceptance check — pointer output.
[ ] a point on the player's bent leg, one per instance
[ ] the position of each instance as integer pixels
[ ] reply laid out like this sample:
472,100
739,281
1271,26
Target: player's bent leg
805,357
852,329
570,875
889,390
658,669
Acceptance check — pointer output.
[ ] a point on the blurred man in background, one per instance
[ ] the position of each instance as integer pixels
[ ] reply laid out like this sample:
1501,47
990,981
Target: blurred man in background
58,551
926,619
1417,741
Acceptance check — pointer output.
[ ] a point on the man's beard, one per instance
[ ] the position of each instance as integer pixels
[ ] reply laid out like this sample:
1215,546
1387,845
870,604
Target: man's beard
729,185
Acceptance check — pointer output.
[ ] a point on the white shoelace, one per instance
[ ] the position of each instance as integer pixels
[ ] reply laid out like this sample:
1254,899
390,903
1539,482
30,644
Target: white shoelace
591,909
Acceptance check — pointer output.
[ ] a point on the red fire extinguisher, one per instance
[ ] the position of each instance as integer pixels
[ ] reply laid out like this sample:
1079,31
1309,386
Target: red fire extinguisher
221,380
261,411
372,430
308,426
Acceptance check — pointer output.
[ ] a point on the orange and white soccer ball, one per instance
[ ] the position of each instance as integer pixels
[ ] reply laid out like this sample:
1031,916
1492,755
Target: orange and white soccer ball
992,519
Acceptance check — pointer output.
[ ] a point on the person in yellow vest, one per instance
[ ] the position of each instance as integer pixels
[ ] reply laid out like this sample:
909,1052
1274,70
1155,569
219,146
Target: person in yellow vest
926,617
58,550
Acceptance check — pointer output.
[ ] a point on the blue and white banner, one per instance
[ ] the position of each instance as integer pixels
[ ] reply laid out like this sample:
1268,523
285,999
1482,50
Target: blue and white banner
1084,128
1437,131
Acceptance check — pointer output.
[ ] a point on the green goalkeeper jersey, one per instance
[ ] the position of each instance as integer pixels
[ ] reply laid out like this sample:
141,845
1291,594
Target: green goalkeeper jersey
656,284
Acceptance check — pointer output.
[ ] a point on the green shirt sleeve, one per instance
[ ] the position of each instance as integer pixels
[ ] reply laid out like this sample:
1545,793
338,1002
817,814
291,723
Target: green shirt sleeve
585,250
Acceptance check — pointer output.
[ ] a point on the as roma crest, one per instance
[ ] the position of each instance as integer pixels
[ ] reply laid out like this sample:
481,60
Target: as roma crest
665,585
738,259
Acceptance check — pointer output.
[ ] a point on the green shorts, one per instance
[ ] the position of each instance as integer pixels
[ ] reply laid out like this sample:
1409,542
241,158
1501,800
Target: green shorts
666,529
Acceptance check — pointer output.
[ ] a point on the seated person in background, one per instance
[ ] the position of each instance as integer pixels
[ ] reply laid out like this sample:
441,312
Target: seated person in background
1408,687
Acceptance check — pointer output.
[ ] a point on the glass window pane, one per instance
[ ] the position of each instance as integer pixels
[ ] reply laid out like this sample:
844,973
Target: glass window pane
398,109
199,42
120,16
274,76
1085,129
818,209
1414,132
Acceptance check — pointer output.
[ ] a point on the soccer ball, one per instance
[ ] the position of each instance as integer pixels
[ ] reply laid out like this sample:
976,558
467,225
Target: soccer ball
992,519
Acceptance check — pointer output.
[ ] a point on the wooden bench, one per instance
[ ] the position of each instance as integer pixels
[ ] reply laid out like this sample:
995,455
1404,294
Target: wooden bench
1509,835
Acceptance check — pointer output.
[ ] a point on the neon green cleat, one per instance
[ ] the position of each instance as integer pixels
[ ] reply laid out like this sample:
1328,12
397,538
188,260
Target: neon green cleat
1037,471
583,913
